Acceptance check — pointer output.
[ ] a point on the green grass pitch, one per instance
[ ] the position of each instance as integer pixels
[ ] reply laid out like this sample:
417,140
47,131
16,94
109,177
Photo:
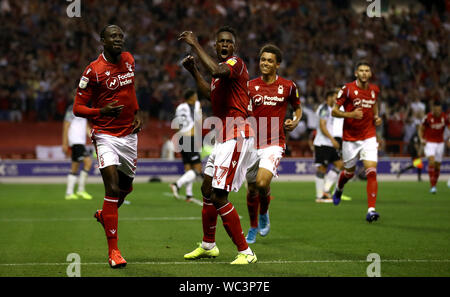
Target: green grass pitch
39,229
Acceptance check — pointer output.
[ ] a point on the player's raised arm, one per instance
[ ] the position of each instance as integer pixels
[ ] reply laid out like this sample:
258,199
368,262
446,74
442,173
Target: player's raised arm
216,69
202,86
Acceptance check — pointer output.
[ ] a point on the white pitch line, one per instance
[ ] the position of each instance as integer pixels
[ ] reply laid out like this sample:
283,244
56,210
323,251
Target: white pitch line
92,219
222,262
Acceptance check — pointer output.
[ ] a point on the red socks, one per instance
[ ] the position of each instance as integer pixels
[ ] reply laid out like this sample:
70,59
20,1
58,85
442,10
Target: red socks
252,206
264,203
344,177
372,186
433,173
209,220
232,224
110,221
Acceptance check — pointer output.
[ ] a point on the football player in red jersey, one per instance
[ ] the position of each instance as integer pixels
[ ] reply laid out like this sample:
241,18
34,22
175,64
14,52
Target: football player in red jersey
106,95
233,151
431,133
359,99
270,95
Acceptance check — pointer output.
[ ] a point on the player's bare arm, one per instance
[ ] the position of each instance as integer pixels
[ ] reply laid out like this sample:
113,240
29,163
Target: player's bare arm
291,124
202,86
216,69
357,113
420,131
376,118
138,121
65,137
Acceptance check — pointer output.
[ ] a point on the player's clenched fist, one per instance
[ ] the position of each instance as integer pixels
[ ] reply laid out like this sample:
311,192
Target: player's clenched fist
358,113
189,63
188,37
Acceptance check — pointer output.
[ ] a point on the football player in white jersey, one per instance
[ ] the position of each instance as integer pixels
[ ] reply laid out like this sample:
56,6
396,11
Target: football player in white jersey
187,115
326,149
75,130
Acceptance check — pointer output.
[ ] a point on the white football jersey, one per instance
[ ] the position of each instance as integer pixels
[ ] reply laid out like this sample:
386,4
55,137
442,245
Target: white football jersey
77,128
185,116
338,125
324,113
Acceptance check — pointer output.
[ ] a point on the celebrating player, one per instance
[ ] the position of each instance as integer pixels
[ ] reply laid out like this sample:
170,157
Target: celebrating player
75,130
270,95
431,132
185,116
326,148
232,154
108,85
359,99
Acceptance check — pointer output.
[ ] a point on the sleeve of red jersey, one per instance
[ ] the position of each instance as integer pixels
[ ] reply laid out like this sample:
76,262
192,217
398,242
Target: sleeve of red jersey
342,95
294,97
84,94
236,66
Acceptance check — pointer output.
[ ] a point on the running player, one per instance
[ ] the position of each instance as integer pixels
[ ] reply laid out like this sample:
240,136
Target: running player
108,85
326,149
359,99
75,130
185,116
270,95
233,152
431,133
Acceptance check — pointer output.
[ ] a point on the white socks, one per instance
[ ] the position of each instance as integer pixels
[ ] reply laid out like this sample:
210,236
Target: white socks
319,186
208,245
187,177
330,180
248,251
82,180
71,180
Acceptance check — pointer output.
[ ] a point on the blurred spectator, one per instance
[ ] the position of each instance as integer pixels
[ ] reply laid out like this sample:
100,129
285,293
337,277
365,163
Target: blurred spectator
43,51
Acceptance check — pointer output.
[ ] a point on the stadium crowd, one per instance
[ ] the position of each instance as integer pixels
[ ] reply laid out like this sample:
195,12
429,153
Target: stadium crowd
43,51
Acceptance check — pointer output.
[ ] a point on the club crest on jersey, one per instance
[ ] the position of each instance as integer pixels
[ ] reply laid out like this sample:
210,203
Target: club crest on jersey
257,88
107,73
83,82
280,89
373,94
129,66
356,92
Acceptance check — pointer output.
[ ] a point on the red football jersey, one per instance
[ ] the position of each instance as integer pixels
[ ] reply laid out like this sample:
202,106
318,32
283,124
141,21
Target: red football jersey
229,99
434,127
103,82
352,97
270,101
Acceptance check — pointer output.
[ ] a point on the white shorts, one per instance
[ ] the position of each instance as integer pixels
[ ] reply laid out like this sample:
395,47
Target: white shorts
268,158
366,149
229,161
120,151
434,149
